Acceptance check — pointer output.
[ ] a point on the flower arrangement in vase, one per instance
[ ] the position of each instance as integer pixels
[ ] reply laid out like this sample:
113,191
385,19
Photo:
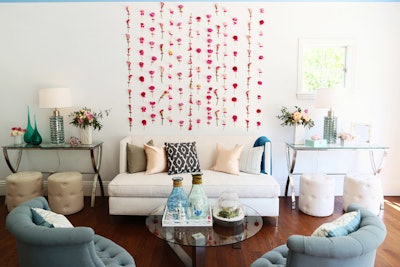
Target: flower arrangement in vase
346,138
86,120
296,118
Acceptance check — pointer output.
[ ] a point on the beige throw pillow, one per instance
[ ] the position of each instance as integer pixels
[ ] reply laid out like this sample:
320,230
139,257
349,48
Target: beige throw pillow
136,157
228,160
156,159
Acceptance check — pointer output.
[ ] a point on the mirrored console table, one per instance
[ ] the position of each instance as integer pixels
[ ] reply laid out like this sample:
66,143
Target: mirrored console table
292,153
95,159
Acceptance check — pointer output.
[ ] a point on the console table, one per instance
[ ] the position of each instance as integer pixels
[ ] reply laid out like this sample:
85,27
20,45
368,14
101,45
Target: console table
95,160
291,156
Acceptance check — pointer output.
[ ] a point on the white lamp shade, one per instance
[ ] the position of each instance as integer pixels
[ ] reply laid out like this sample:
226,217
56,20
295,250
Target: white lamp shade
55,98
329,98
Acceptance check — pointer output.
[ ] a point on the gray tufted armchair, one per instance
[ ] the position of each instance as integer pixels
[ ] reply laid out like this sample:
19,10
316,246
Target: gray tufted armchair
59,247
356,249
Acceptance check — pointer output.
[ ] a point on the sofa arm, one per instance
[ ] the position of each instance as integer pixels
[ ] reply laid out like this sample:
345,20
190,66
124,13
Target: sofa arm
123,164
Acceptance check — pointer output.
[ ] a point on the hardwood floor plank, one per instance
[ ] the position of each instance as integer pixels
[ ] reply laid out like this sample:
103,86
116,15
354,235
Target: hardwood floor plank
149,251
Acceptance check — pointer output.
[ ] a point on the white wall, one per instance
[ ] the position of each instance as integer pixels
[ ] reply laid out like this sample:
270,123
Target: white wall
82,46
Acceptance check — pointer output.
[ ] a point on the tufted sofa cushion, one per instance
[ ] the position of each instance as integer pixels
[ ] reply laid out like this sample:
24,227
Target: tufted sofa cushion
276,257
111,254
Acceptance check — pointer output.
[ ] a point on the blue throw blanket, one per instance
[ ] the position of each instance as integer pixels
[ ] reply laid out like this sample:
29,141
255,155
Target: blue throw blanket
261,142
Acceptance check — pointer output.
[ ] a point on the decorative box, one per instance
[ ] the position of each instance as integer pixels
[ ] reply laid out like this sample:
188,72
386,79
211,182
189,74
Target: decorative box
316,143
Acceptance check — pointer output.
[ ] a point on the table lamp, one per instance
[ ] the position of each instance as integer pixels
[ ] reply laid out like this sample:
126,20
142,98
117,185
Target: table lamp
55,98
330,99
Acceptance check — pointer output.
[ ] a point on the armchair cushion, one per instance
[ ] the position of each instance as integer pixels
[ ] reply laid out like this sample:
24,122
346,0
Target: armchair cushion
342,226
48,218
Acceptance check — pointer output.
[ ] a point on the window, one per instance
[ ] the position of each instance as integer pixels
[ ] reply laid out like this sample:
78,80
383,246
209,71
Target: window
324,64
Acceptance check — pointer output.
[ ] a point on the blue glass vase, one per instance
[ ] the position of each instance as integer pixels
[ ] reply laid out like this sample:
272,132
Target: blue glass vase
176,202
197,206
36,139
29,129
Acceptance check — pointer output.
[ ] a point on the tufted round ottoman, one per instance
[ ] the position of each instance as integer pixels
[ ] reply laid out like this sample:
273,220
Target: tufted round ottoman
363,189
317,194
22,186
65,192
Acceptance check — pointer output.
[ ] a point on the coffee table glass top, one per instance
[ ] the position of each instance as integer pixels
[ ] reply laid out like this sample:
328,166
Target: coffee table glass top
221,233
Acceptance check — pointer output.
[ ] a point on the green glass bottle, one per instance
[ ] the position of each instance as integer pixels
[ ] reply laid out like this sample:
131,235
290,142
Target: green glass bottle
29,130
36,139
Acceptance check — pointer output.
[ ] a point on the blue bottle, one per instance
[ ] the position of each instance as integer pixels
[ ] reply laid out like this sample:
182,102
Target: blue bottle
197,206
176,202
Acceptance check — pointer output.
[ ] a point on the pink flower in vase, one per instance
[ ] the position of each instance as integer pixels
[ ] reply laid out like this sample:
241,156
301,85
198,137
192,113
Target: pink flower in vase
143,109
209,77
181,123
141,40
144,123
259,83
141,79
198,103
141,64
143,94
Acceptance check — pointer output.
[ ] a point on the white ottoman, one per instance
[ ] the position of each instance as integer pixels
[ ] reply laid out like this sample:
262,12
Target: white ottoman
22,186
65,192
317,194
363,189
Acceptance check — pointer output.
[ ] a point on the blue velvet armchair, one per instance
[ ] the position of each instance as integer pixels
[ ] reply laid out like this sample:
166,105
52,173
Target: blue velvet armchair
356,249
58,247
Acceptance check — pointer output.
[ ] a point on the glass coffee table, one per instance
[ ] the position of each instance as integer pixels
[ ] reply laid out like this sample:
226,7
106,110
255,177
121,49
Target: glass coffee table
221,233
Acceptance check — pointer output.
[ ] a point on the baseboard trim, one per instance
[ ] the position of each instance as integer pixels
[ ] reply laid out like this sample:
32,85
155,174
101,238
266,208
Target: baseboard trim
87,188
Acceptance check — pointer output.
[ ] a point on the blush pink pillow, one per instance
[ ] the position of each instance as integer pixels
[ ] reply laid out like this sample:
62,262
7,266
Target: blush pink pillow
227,160
156,159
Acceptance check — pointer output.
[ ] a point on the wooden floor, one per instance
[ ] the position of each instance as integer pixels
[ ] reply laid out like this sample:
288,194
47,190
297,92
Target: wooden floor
148,250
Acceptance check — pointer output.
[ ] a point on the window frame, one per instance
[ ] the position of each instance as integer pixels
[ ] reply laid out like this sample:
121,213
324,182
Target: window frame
349,67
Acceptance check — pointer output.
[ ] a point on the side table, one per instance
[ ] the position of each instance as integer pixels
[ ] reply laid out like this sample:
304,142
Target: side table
292,151
95,160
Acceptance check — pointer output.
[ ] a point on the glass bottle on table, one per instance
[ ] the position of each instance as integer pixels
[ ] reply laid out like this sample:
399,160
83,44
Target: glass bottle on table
197,206
176,202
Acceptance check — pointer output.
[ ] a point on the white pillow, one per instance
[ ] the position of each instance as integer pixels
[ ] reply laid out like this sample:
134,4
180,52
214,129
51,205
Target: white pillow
54,219
156,159
228,160
250,160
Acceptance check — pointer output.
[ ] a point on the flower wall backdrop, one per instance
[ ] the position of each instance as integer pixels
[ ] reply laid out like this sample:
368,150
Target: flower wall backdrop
191,67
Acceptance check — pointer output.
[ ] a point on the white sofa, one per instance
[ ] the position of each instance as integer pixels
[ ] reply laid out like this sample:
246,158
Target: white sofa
138,193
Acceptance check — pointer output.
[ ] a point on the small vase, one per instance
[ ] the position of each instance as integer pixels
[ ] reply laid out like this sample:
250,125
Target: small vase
36,138
299,135
86,136
29,129
18,140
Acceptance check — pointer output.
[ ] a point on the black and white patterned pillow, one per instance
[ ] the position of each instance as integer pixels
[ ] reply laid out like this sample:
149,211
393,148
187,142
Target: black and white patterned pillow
182,158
